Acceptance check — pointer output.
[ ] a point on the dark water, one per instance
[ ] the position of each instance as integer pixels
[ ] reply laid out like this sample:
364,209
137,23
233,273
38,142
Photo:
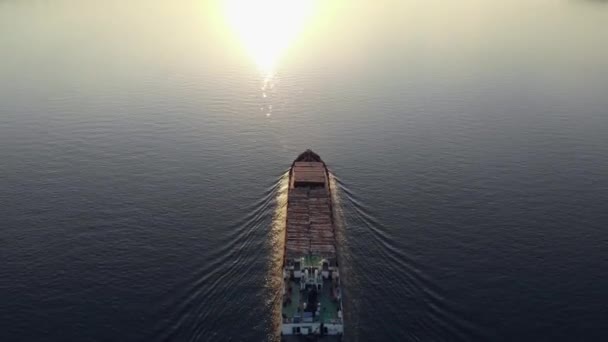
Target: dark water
142,156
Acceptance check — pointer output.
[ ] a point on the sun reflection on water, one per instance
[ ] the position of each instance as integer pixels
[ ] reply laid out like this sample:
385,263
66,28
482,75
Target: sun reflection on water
276,239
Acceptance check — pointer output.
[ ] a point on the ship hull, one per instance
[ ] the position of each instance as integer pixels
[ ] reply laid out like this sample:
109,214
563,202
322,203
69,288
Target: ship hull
311,290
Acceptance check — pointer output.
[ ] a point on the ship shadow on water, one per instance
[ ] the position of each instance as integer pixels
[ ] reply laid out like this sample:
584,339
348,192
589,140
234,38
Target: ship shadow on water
379,272
337,196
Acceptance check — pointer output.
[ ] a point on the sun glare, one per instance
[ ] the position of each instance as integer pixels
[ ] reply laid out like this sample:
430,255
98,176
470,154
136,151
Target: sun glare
267,27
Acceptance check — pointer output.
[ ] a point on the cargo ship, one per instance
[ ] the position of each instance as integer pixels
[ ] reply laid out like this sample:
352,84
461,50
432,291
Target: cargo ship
311,291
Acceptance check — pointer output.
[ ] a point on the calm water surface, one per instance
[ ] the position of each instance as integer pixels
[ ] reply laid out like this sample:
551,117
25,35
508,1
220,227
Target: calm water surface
143,146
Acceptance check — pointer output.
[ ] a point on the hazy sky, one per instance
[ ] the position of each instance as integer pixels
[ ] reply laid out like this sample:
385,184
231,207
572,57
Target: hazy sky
96,40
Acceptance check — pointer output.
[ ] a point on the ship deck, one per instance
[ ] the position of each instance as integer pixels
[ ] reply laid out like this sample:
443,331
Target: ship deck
309,223
312,303
329,303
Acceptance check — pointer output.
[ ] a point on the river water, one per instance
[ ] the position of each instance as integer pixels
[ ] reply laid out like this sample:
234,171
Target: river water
144,145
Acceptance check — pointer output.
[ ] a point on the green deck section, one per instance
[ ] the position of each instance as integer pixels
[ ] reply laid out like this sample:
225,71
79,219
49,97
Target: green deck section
290,309
329,306
312,261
